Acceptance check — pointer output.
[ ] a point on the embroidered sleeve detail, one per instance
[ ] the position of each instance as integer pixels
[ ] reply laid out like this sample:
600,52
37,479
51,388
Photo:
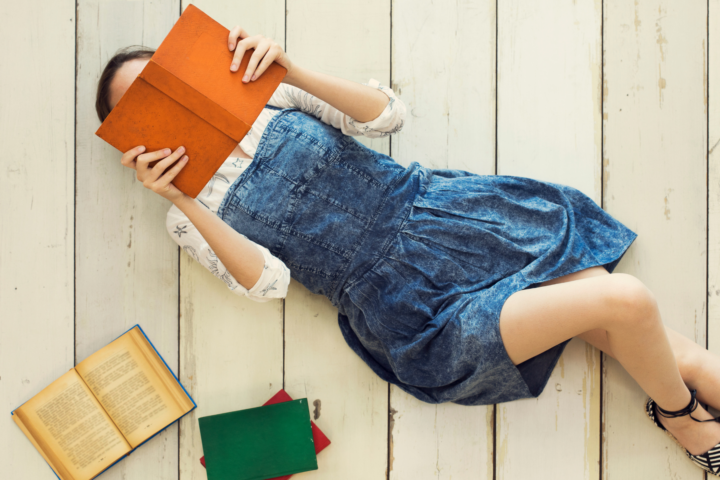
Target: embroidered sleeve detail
273,282
390,120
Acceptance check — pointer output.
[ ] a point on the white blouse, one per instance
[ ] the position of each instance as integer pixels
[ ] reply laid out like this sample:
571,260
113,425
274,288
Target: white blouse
275,277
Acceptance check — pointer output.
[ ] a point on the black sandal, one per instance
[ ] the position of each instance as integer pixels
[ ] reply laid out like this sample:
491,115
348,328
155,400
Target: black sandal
708,461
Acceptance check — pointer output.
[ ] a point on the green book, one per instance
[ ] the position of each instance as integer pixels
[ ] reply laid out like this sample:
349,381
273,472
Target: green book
259,443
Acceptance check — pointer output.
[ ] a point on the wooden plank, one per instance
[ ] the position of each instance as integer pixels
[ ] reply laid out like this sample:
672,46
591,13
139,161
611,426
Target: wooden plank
36,219
126,265
549,128
443,63
655,182
713,90
349,400
231,347
444,68
231,354
443,441
354,43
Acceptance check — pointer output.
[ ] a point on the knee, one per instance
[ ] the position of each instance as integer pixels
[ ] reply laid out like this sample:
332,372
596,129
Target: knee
631,299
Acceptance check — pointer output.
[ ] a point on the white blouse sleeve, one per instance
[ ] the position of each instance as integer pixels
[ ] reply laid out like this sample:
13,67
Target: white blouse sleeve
389,121
275,277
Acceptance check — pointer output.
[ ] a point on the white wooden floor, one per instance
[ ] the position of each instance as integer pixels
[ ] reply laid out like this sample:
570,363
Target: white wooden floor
620,99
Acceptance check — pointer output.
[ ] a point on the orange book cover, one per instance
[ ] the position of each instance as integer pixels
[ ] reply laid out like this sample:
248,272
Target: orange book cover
187,95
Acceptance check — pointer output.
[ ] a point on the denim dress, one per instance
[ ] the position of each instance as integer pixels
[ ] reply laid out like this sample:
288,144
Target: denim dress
418,261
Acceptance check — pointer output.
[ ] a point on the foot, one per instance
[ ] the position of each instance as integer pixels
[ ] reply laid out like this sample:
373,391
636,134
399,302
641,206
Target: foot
697,438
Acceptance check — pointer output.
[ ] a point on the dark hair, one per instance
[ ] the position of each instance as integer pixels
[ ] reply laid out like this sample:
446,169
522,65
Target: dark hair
102,100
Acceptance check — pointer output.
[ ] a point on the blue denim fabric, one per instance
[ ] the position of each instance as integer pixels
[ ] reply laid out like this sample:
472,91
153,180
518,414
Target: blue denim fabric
418,261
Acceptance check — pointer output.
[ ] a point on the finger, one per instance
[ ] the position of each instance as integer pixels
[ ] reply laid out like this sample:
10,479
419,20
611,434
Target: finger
160,166
269,58
235,33
168,176
144,163
257,55
145,158
128,158
240,51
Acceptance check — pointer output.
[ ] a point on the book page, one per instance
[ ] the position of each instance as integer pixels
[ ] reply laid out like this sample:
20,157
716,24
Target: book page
70,428
162,370
127,384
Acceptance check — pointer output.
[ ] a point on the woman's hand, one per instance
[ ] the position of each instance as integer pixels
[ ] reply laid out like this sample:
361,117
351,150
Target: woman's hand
155,177
266,50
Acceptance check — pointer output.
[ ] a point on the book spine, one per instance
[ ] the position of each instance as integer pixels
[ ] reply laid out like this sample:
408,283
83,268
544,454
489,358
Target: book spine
197,103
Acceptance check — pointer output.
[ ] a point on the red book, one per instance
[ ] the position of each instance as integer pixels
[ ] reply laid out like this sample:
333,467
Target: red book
319,438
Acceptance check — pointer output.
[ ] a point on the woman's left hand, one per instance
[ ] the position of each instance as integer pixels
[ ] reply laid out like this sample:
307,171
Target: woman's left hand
266,50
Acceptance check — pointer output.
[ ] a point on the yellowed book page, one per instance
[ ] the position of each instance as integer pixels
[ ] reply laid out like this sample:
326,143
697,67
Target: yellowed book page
71,430
126,382
171,383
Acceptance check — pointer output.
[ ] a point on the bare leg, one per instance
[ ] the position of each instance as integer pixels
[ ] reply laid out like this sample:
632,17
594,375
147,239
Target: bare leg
697,365
534,320
699,368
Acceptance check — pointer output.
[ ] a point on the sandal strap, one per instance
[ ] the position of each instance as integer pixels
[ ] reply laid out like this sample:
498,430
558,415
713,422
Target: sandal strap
684,411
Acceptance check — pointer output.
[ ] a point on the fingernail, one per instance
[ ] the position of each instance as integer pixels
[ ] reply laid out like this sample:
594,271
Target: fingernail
185,158
253,77
245,78
166,151
233,67
141,149
231,46
181,149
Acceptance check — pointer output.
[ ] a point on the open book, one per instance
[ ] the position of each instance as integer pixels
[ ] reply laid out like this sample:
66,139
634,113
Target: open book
104,408
186,95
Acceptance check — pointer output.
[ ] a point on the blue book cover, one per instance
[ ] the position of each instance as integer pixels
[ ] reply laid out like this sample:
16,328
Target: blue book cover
194,405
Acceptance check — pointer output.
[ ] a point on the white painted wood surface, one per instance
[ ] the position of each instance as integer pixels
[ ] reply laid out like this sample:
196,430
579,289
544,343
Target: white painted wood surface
655,183
444,70
550,128
36,218
84,253
125,263
713,105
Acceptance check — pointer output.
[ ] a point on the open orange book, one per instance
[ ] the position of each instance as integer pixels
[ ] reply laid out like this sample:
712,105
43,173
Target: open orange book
186,95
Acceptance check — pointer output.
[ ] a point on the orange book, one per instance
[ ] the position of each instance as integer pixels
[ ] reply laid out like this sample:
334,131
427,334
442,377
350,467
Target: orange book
187,95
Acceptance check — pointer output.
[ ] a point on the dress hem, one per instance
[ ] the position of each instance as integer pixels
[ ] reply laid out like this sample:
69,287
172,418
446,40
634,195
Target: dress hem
541,383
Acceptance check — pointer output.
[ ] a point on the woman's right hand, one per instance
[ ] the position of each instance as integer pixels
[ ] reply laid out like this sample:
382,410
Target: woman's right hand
155,177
